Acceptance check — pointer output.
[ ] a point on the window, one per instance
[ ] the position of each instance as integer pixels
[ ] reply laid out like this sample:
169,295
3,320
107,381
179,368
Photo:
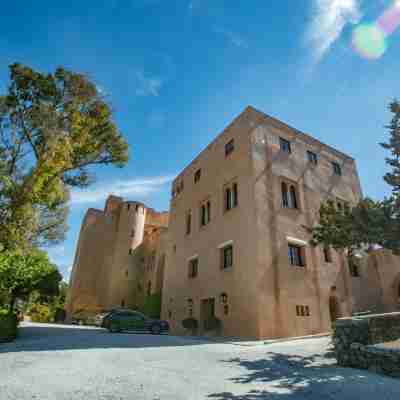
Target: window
312,157
193,267
303,311
130,251
188,222
197,175
132,233
289,196
229,147
337,169
126,273
353,267
296,255
231,196
149,288
128,206
327,254
227,257
285,145
205,213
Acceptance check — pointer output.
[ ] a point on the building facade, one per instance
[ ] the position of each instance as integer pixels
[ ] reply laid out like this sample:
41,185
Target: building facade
239,229
119,260
234,247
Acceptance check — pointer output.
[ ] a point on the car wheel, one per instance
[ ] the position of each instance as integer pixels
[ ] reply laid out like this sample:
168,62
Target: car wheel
114,328
155,329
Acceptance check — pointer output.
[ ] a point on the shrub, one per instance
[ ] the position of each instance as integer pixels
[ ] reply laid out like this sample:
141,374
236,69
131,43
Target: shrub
8,326
212,324
190,323
40,313
152,306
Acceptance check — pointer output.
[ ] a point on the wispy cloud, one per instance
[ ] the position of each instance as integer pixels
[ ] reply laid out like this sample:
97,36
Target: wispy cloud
131,187
329,19
148,85
233,37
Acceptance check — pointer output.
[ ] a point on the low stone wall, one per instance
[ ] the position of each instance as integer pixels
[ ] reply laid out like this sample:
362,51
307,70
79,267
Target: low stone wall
356,341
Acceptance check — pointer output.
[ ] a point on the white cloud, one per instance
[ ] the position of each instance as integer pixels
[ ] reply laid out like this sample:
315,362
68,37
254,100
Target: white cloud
232,37
133,187
148,86
329,19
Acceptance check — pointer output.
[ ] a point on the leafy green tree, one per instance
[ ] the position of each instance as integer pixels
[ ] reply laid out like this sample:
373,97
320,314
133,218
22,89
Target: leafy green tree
53,127
369,222
23,273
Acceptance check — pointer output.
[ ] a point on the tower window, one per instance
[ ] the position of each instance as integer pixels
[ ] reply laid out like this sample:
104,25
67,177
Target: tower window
285,145
188,222
289,196
227,257
229,147
231,196
197,175
312,157
296,255
337,169
193,267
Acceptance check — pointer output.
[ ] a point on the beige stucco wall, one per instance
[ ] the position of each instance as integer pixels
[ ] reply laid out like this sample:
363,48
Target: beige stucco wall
113,249
262,288
378,286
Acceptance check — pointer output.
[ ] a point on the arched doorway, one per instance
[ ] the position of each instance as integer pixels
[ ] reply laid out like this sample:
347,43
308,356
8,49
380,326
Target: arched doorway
334,308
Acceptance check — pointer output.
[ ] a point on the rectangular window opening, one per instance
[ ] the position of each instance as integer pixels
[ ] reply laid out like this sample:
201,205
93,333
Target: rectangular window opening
296,255
285,145
229,147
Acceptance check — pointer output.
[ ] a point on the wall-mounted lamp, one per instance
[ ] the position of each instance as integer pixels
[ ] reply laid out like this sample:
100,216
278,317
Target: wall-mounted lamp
224,298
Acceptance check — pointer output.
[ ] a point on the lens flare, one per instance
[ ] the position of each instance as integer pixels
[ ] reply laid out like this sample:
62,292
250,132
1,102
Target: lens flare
369,41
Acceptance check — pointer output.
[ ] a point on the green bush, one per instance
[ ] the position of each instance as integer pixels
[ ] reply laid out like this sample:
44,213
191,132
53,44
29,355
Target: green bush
8,326
212,324
40,313
152,306
191,324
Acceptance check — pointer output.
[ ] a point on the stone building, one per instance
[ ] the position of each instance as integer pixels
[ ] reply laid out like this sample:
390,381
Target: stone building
239,230
234,245
119,259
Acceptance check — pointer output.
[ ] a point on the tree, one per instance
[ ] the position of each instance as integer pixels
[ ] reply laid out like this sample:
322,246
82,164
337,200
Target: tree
393,177
369,222
53,127
23,273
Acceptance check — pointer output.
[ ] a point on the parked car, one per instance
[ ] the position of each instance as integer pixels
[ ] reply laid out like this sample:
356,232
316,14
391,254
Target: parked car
129,320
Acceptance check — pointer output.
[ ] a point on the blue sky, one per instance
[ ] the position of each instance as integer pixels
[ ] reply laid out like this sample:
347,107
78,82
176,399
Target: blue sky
177,72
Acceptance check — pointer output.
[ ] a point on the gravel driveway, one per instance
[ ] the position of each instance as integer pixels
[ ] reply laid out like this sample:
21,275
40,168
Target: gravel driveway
50,362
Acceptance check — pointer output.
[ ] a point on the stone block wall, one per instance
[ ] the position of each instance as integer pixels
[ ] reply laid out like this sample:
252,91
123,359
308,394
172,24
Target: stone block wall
358,342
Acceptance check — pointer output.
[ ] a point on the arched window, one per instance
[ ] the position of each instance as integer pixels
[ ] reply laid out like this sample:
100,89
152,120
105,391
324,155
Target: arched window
293,197
285,195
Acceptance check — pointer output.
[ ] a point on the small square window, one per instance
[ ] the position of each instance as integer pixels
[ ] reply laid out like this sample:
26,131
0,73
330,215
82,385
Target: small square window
229,147
197,175
337,169
193,267
296,255
285,145
312,157
227,257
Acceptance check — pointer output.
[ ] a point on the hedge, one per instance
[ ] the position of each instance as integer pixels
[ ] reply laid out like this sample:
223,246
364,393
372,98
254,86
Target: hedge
8,326
152,306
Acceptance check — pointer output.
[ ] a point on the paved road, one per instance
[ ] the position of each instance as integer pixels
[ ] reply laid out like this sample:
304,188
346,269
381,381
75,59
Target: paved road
50,362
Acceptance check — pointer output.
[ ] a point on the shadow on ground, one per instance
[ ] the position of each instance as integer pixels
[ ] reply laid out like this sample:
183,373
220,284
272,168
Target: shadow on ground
294,377
36,337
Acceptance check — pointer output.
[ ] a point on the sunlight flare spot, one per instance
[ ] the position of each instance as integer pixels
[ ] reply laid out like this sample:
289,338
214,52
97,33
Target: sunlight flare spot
369,41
